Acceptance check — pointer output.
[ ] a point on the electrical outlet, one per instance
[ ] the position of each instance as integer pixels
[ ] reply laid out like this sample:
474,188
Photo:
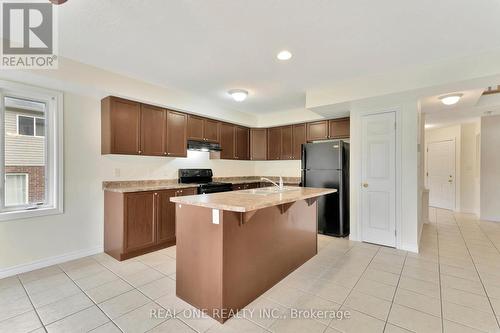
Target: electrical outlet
118,172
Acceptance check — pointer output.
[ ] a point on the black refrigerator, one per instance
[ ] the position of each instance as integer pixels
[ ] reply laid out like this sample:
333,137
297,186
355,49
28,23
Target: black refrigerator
326,164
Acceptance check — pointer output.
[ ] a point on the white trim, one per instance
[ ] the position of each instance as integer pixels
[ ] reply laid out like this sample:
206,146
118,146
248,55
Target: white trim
54,169
27,184
41,263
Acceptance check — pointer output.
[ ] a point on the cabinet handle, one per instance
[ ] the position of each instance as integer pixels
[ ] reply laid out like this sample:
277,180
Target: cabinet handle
156,193
140,151
165,153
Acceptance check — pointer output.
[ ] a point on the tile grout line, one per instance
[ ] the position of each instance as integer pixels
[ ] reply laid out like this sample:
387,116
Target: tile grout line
395,291
350,291
135,288
439,272
95,304
33,305
477,271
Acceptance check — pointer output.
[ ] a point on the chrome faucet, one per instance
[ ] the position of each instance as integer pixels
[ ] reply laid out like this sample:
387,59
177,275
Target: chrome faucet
279,186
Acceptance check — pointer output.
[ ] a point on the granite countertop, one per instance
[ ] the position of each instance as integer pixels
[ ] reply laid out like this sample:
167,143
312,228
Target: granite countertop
250,200
141,188
169,184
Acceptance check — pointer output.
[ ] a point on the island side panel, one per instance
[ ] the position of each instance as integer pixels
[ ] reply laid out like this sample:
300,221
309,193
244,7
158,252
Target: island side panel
198,258
265,249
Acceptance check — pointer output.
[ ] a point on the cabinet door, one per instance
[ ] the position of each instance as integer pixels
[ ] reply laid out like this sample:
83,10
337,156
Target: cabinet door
317,130
125,120
286,143
227,141
339,128
139,220
211,130
299,137
165,221
176,134
153,124
242,138
274,143
195,128
258,144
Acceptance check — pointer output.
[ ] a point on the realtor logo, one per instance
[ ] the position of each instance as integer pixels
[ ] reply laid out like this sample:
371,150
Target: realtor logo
28,35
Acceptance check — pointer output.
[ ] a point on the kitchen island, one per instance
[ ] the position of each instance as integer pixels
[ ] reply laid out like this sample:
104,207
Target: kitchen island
234,246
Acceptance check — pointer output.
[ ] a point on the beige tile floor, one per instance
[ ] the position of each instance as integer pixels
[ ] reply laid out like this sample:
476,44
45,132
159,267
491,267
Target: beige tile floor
452,285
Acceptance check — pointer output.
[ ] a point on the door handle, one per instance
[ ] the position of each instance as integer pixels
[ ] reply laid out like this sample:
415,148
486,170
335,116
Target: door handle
365,185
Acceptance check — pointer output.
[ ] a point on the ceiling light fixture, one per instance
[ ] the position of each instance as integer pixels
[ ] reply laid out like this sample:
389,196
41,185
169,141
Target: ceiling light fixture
450,99
284,55
239,95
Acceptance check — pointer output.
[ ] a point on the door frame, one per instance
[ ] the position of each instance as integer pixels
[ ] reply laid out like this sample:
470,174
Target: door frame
456,207
398,176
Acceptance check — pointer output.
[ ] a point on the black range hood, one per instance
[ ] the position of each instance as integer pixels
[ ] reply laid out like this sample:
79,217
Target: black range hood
203,146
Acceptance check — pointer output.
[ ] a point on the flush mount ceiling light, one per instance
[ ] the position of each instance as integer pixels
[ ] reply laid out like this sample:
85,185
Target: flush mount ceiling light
450,99
239,95
284,55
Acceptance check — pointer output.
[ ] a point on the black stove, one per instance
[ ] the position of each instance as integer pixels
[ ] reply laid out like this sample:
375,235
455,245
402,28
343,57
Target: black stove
203,177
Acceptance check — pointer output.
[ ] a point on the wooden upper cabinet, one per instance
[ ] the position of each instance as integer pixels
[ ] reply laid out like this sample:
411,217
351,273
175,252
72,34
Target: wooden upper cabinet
176,144
317,130
227,141
195,128
299,137
203,129
258,144
274,143
286,142
120,126
339,128
242,135
211,130
139,220
153,130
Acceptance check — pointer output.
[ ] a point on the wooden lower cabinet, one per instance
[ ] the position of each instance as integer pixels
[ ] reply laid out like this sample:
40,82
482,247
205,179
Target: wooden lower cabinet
139,222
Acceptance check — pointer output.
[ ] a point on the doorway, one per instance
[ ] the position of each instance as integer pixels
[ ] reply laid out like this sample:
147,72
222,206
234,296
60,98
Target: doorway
441,174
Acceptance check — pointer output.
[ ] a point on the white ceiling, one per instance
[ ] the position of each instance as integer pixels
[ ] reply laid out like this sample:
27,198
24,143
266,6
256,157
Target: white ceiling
470,107
209,47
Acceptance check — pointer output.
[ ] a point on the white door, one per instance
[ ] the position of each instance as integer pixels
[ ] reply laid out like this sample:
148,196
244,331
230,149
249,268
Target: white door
378,188
441,174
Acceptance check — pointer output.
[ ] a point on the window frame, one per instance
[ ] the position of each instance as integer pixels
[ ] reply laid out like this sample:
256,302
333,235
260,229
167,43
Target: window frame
27,183
54,168
34,126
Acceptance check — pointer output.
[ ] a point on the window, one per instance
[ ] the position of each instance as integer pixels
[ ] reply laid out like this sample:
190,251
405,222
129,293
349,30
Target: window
30,126
31,169
16,189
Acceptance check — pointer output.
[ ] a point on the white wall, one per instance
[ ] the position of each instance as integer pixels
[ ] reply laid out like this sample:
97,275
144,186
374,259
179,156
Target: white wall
469,173
490,168
407,205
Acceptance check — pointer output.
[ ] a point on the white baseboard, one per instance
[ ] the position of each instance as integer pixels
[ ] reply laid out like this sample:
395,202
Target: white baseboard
41,263
411,248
